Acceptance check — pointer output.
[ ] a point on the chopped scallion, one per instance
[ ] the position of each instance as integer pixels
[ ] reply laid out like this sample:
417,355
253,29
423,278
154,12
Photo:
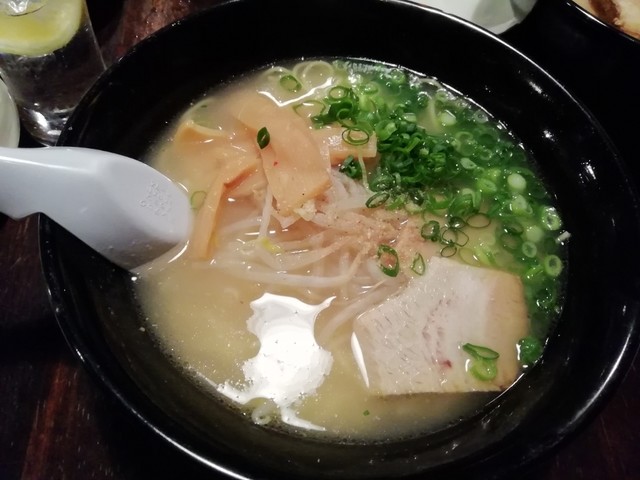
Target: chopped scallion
529,249
351,168
418,265
533,233
355,136
453,236
549,219
479,220
516,182
485,185
483,361
263,137
533,273
552,265
431,231
512,226
529,350
197,199
339,92
447,118
519,206
377,200
290,83
478,351
389,261
457,223
484,370
468,164
448,250
510,242
485,255
309,108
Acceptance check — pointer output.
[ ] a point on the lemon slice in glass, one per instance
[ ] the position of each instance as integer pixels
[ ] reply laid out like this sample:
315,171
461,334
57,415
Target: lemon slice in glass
40,31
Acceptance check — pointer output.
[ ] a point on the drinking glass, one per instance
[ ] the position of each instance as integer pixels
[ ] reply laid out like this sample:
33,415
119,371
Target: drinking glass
498,16
49,57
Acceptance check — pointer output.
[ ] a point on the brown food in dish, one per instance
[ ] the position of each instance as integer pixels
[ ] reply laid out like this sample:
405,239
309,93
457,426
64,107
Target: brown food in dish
622,14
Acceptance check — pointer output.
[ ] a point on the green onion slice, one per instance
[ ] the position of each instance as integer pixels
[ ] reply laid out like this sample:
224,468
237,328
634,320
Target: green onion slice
377,200
529,350
529,249
467,163
552,265
431,231
513,227
478,352
263,137
510,242
418,265
519,206
355,136
448,251
351,168
338,93
484,370
516,182
479,220
389,262
549,219
484,361
457,222
197,199
533,273
309,108
453,236
290,83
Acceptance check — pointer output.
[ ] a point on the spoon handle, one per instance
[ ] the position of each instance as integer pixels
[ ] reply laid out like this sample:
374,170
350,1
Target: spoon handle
119,206
35,180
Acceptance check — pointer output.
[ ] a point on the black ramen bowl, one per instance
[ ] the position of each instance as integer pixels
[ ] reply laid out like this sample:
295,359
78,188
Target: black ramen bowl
587,353
597,62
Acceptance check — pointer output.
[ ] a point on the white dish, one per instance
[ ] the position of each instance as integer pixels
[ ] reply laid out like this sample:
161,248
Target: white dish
495,15
9,122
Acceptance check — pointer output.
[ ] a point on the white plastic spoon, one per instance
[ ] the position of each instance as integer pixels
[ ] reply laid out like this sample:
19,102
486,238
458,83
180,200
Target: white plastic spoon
124,209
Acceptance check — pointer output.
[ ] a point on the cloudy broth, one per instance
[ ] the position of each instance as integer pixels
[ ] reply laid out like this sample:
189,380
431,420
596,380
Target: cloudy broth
260,306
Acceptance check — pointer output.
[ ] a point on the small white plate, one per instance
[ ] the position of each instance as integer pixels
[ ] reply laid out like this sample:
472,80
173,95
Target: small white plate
496,16
9,122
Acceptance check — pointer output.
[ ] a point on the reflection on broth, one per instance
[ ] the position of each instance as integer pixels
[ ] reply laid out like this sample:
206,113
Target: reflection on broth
373,255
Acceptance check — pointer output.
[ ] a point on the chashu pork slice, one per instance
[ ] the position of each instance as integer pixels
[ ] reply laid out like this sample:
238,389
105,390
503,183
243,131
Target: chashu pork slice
412,343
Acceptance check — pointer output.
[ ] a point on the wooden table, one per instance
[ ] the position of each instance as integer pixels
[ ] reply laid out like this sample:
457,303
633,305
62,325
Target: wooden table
56,423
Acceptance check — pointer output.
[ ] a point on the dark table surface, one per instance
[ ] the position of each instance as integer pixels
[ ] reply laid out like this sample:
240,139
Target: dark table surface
57,423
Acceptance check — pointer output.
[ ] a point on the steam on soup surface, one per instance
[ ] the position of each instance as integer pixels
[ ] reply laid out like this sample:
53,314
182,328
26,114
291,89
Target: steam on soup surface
372,255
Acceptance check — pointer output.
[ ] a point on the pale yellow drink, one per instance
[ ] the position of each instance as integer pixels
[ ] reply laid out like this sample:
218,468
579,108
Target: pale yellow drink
49,57
40,28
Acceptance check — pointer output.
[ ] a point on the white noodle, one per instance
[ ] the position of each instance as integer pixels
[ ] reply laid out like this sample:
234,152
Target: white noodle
301,259
368,300
314,74
365,180
267,210
274,74
343,265
240,226
313,241
261,275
